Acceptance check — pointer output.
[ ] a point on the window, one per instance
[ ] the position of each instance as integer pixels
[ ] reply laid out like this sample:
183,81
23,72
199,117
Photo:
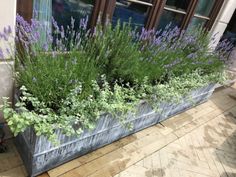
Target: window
148,13
202,13
174,13
189,13
180,5
134,11
63,10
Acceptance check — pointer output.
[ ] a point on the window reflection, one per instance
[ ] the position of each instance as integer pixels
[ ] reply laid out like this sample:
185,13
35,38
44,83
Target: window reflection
195,22
204,7
126,11
172,18
178,5
63,10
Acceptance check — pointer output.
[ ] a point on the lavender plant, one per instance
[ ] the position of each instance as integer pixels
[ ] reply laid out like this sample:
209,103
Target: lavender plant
68,80
177,52
50,69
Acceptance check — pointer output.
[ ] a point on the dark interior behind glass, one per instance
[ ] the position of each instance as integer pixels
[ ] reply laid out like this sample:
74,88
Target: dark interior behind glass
63,10
126,11
178,4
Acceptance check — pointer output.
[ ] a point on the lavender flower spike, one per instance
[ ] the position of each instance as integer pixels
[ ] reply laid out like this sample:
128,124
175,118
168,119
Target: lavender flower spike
1,54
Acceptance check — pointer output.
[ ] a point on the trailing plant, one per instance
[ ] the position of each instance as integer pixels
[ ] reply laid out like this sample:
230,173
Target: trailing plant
77,114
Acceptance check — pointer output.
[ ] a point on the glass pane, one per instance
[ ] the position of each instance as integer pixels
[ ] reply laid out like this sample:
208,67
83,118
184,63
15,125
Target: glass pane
63,10
179,5
204,7
172,18
43,13
195,22
125,11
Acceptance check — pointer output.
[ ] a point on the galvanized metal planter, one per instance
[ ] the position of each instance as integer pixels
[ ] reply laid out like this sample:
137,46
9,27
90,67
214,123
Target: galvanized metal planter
39,155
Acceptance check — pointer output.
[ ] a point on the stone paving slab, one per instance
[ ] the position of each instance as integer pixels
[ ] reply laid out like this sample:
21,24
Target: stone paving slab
198,142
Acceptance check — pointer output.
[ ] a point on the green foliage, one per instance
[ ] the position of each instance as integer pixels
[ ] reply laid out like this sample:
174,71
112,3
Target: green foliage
77,114
122,53
69,83
51,77
115,52
178,53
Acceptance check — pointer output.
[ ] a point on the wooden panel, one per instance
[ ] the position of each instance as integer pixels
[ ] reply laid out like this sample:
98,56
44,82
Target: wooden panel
215,11
156,13
25,8
151,14
190,12
109,10
98,11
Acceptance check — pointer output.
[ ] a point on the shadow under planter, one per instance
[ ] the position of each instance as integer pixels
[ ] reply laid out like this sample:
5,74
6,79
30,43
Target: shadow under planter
39,155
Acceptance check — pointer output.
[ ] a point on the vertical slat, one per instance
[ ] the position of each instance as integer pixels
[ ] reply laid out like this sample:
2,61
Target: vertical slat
189,14
155,13
109,10
151,14
98,10
213,15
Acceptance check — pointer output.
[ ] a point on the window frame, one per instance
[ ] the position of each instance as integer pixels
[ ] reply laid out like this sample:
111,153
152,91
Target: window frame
25,9
104,9
190,13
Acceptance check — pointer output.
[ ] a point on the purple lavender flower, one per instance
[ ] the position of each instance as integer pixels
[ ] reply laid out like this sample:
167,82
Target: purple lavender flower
8,51
49,37
72,23
4,36
157,41
1,54
55,25
62,32
7,30
45,46
83,23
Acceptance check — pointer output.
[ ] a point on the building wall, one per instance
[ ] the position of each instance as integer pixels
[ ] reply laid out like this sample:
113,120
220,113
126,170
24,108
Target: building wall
223,19
7,15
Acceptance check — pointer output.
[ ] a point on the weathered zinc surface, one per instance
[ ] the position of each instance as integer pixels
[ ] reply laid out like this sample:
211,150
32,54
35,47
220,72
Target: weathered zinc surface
195,97
39,155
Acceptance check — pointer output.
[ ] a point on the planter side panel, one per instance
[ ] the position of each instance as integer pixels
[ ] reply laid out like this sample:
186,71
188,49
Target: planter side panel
39,155
47,160
108,130
194,98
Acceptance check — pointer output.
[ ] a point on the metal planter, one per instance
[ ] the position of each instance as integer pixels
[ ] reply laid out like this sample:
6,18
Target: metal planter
39,155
